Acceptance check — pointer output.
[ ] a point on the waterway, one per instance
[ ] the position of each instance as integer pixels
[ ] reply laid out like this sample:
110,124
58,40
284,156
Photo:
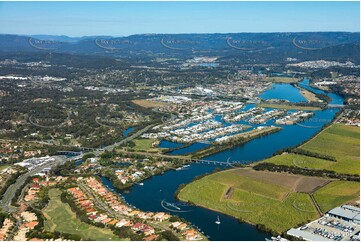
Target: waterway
284,92
157,193
127,131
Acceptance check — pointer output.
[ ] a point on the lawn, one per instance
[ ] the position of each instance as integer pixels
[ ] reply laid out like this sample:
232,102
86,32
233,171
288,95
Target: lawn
340,141
253,200
59,217
337,193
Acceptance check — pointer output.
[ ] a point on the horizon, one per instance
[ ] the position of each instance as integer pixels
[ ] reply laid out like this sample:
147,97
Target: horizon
125,36
78,19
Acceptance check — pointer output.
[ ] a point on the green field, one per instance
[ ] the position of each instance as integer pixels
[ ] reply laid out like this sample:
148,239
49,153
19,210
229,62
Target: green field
337,193
253,200
288,107
280,79
144,145
59,217
340,141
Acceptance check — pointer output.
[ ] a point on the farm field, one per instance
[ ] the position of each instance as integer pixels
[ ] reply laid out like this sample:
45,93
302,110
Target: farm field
277,201
59,217
340,141
337,193
288,107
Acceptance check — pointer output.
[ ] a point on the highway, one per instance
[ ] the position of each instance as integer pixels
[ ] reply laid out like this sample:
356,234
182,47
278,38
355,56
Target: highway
10,192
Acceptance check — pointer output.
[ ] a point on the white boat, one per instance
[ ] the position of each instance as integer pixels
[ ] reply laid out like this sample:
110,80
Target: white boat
141,184
218,221
172,205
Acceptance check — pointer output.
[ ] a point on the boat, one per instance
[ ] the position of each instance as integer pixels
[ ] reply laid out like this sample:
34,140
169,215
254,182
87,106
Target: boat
172,205
141,184
218,221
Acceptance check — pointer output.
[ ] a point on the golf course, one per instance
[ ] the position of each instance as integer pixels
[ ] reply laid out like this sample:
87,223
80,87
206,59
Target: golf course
60,217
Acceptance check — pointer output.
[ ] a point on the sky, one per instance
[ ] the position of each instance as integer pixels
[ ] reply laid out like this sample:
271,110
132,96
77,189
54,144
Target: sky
127,18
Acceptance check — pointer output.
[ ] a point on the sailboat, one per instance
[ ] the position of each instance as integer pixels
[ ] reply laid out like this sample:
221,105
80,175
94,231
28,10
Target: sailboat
218,221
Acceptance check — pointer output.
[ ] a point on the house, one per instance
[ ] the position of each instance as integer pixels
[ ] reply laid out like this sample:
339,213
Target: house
138,226
113,222
175,224
161,216
147,230
191,234
183,226
151,237
105,221
133,213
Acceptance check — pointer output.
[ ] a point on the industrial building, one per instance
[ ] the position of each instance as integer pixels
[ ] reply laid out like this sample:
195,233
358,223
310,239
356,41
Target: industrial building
339,224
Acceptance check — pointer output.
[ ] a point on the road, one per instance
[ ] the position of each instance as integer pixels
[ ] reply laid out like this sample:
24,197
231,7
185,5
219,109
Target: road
10,192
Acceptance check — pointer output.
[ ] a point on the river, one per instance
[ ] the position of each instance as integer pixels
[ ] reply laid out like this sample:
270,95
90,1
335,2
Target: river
157,193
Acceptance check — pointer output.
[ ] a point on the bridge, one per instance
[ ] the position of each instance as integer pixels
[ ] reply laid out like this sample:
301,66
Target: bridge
214,162
207,142
335,105
72,153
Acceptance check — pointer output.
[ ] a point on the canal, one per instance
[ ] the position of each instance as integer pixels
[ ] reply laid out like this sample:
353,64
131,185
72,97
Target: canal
157,193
